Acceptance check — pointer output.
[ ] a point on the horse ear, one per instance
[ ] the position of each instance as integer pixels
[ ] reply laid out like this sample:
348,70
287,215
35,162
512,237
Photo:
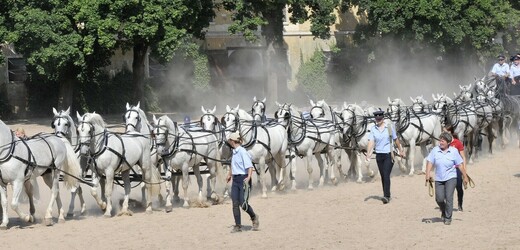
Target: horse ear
469,86
67,112
254,99
454,94
312,103
214,109
238,106
127,106
138,104
389,102
345,105
78,115
203,110
228,108
54,111
265,98
413,100
154,119
277,104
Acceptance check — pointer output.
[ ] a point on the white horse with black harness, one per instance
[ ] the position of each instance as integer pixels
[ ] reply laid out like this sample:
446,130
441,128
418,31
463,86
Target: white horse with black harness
414,129
182,150
21,160
266,143
112,153
65,127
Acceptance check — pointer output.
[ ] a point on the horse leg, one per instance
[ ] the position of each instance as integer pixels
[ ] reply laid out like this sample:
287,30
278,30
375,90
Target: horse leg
261,178
29,190
292,158
200,182
125,175
17,190
52,180
309,168
356,163
211,181
322,169
93,191
280,162
109,185
169,191
491,137
424,153
185,182
3,200
272,173
333,156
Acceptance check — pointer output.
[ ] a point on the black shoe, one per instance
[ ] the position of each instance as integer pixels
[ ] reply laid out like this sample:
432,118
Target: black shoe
386,200
447,222
236,229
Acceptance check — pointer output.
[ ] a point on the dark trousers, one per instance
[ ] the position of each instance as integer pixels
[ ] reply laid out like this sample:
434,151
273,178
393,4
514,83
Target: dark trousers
460,189
385,165
237,196
444,196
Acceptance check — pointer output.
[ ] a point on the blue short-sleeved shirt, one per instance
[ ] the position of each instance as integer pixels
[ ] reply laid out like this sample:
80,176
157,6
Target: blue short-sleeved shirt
445,162
381,138
500,70
240,161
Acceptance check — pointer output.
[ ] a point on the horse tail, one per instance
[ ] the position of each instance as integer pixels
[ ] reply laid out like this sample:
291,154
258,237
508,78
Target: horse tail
154,181
72,168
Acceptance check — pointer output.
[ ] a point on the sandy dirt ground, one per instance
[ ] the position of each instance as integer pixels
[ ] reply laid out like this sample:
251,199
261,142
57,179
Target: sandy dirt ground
347,216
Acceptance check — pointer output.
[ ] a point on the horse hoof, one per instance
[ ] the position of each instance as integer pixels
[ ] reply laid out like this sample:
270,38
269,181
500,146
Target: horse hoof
47,221
359,181
273,189
310,187
61,221
29,219
293,188
264,195
103,206
186,205
168,208
69,215
335,181
3,227
125,213
107,216
148,211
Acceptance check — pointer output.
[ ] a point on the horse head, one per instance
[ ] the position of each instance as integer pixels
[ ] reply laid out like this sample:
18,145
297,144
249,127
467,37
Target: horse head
164,128
258,109
394,108
208,120
283,114
63,124
134,117
90,125
231,120
418,104
320,109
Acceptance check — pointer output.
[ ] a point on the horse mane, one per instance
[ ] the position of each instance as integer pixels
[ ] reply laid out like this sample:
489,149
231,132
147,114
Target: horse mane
244,115
95,119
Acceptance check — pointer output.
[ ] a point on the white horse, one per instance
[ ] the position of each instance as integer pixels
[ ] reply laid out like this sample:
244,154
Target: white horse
113,153
419,104
266,145
21,160
136,121
489,112
327,136
258,110
414,129
64,127
182,150
356,125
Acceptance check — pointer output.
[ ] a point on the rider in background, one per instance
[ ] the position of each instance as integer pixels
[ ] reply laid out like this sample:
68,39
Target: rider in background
501,73
20,133
515,75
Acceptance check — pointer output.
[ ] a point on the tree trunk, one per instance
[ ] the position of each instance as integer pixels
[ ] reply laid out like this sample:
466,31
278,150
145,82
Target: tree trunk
138,72
67,90
275,55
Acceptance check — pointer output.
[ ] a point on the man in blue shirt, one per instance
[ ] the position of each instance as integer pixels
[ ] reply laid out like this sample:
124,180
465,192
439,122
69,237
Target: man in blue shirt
446,160
380,136
501,73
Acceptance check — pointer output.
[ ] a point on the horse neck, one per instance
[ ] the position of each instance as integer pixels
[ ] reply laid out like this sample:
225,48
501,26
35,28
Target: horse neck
6,135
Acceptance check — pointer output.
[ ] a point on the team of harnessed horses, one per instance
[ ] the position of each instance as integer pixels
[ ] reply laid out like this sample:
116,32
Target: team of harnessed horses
164,151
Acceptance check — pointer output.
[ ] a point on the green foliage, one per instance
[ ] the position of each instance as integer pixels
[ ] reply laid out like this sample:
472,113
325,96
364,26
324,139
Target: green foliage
201,75
248,15
448,27
312,77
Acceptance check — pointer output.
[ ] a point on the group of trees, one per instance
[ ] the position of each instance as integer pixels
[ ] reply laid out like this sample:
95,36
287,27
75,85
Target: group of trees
70,42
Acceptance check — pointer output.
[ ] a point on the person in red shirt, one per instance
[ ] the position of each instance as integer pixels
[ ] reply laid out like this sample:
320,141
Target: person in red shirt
456,143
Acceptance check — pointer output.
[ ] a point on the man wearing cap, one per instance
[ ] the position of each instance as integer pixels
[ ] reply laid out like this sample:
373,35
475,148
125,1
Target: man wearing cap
501,73
381,136
515,75
241,171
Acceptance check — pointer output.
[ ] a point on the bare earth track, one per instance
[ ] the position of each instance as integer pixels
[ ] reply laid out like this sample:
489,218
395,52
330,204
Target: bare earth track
346,216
